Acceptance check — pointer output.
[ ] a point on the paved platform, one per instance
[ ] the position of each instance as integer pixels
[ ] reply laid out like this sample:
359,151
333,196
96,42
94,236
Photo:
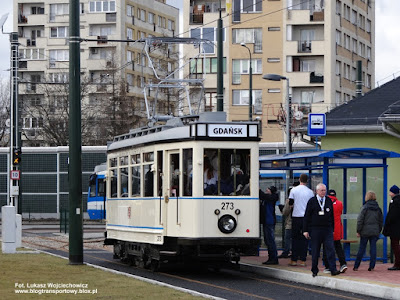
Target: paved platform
379,283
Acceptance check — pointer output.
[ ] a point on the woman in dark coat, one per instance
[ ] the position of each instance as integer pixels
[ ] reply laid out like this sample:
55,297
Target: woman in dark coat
392,225
369,226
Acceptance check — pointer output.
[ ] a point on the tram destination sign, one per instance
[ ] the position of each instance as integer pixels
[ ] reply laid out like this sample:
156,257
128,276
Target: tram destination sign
227,130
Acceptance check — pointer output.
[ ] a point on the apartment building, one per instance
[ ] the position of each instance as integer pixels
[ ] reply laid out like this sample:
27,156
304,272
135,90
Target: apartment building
118,65
315,44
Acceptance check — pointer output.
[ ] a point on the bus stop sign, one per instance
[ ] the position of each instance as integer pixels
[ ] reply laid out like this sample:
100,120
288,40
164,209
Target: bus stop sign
316,125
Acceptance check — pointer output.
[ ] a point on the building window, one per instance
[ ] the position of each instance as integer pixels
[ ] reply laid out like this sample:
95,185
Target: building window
307,97
353,17
129,33
207,33
368,29
59,32
337,68
354,47
247,6
242,66
150,18
338,7
338,38
59,55
102,6
31,54
338,99
129,10
206,65
241,97
248,36
171,25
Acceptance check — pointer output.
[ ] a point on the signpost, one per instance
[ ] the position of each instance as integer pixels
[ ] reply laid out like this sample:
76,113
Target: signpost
316,126
15,174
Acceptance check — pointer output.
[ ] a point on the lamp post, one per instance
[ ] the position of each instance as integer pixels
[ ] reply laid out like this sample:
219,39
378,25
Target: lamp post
250,86
275,77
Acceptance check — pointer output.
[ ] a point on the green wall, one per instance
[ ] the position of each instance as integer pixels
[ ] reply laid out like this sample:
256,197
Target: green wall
355,176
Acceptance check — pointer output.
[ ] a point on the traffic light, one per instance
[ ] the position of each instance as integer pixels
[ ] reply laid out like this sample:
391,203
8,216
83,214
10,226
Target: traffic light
17,156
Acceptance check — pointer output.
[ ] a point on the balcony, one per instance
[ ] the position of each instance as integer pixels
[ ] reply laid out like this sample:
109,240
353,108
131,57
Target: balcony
197,11
316,78
196,19
304,47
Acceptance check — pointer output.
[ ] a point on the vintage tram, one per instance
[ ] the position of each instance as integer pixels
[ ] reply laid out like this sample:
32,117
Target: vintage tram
184,191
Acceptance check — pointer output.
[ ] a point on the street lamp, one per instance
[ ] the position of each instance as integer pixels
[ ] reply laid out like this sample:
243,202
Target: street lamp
250,85
275,77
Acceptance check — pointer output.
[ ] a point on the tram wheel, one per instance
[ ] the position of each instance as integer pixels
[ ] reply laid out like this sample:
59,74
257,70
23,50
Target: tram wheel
154,265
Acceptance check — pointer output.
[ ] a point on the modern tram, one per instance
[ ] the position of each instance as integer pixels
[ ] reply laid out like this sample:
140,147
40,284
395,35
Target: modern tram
184,191
96,202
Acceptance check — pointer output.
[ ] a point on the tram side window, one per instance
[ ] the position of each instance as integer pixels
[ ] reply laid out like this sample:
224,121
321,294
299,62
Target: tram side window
159,172
124,182
92,185
148,157
148,181
114,183
226,172
174,176
135,181
187,172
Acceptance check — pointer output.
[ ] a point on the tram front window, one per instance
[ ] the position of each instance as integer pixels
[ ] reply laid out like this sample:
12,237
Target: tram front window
226,172
101,188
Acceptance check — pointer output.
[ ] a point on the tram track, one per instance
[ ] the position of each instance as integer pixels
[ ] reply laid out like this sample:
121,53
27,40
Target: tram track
62,247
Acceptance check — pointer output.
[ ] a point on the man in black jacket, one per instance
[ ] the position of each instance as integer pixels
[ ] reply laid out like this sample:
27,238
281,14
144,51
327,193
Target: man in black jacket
392,226
268,202
319,220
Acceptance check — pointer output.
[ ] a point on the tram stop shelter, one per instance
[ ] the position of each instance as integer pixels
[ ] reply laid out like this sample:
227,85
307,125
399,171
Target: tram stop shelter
351,172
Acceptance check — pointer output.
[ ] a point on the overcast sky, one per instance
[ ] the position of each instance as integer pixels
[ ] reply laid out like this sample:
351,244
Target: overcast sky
387,38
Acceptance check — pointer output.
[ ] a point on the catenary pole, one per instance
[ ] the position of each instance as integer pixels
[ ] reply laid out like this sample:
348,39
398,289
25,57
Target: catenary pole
220,54
75,140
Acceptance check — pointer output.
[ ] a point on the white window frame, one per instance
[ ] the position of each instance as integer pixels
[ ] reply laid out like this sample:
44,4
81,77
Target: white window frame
102,6
60,32
244,96
59,55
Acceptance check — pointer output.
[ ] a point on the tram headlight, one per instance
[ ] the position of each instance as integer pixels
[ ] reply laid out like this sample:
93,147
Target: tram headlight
227,224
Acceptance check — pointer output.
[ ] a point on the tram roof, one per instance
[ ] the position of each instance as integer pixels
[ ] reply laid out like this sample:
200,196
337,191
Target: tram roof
179,128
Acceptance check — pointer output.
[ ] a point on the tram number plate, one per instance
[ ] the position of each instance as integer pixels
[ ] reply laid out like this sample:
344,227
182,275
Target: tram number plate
227,205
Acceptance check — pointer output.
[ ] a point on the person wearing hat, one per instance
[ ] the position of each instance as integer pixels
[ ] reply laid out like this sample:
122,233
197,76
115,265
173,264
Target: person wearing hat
268,201
392,225
337,233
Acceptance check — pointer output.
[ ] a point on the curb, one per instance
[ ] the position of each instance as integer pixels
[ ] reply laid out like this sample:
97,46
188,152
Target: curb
344,284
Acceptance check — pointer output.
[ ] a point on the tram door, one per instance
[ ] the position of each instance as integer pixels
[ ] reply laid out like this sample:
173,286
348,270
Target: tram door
172,182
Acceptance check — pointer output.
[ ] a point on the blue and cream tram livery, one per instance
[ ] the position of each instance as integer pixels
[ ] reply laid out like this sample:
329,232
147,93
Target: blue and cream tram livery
96,201
187,190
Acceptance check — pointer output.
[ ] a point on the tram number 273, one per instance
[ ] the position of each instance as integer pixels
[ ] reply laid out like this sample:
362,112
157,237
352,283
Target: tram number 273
227,206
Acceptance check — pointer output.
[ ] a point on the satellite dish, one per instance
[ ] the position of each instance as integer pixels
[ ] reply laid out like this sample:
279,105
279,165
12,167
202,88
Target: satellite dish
298,115
8,123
